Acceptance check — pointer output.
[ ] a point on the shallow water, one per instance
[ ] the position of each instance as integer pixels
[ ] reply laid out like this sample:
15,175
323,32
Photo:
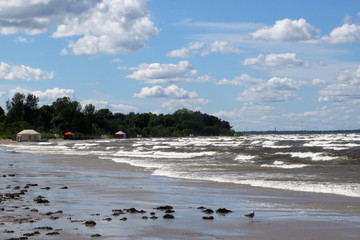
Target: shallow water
319,163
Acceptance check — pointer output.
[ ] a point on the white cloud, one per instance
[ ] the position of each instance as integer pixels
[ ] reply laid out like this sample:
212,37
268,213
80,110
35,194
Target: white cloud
22,72
274,90
111,27
347,33
345,89
175,104
101,104
156,73
275,60
53,94
188,51
46,97
101,26
287,30
172,91
122,108
36,16
242,80
223,47
204,49
23,40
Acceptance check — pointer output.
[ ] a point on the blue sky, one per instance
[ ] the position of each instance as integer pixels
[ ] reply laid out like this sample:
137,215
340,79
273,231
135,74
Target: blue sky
262,64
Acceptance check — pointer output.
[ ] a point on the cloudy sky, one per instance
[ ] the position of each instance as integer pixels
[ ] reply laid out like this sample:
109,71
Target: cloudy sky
264,64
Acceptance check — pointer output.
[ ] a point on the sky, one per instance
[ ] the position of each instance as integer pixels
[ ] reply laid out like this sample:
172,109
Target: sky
260,64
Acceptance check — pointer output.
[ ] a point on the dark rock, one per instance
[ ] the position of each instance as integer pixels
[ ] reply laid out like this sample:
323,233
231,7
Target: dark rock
152,213
90,223
46,188
20,238
123,219
153,217
145,217
108,219
168,216
134,210
40,199
202,207
44,228
169,211
31,234
166,207
223,211
11,175
208,218
64,187
208,211
53,233
96,235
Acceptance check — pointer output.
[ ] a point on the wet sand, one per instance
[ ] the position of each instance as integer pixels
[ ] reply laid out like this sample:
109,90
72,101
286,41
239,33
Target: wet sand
121,200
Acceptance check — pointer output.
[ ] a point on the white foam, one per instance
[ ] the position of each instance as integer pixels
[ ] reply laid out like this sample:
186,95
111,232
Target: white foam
281,164
318,156
271,144
160,154
351,190
244,158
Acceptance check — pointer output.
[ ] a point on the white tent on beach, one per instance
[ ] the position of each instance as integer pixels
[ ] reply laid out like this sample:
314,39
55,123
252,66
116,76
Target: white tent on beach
28,135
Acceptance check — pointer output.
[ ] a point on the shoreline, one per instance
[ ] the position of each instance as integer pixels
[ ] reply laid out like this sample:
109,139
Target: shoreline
96,187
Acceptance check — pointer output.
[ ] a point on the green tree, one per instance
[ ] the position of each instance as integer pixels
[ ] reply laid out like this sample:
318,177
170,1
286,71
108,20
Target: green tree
31,110
15,108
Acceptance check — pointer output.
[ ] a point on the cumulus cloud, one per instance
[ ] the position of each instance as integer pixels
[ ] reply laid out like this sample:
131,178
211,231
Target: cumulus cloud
101,104
36,16
101,26
46,97
122,108
346,87
242,80
172,91
156,73
287,30
22,72
275,60
53,94
188,51
175,104
23,40
347,33
275,89
204,49
111,27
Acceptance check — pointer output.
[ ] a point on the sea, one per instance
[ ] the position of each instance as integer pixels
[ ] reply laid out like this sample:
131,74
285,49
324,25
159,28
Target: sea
317,163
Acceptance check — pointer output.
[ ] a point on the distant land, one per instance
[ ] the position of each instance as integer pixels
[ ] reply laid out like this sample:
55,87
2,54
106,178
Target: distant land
300,132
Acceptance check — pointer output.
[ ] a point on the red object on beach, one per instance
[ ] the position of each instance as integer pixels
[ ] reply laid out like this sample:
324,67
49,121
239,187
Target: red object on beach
68,133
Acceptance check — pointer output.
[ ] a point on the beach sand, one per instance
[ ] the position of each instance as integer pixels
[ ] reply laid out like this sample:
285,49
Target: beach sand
121,199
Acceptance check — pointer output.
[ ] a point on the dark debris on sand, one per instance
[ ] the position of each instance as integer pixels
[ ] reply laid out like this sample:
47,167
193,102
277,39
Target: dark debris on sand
14,195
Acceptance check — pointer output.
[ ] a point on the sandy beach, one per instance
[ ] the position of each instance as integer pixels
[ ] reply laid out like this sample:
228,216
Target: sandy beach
82,197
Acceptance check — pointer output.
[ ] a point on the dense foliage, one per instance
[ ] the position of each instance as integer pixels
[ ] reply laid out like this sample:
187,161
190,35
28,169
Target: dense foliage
66,115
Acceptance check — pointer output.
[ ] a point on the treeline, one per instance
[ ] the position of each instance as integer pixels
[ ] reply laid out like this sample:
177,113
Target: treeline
64,114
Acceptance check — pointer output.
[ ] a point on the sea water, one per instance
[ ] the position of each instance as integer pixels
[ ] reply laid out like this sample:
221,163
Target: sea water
320,163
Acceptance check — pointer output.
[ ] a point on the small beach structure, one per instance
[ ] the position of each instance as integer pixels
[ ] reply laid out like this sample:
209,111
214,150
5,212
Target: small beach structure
68,135
28,135
120,134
